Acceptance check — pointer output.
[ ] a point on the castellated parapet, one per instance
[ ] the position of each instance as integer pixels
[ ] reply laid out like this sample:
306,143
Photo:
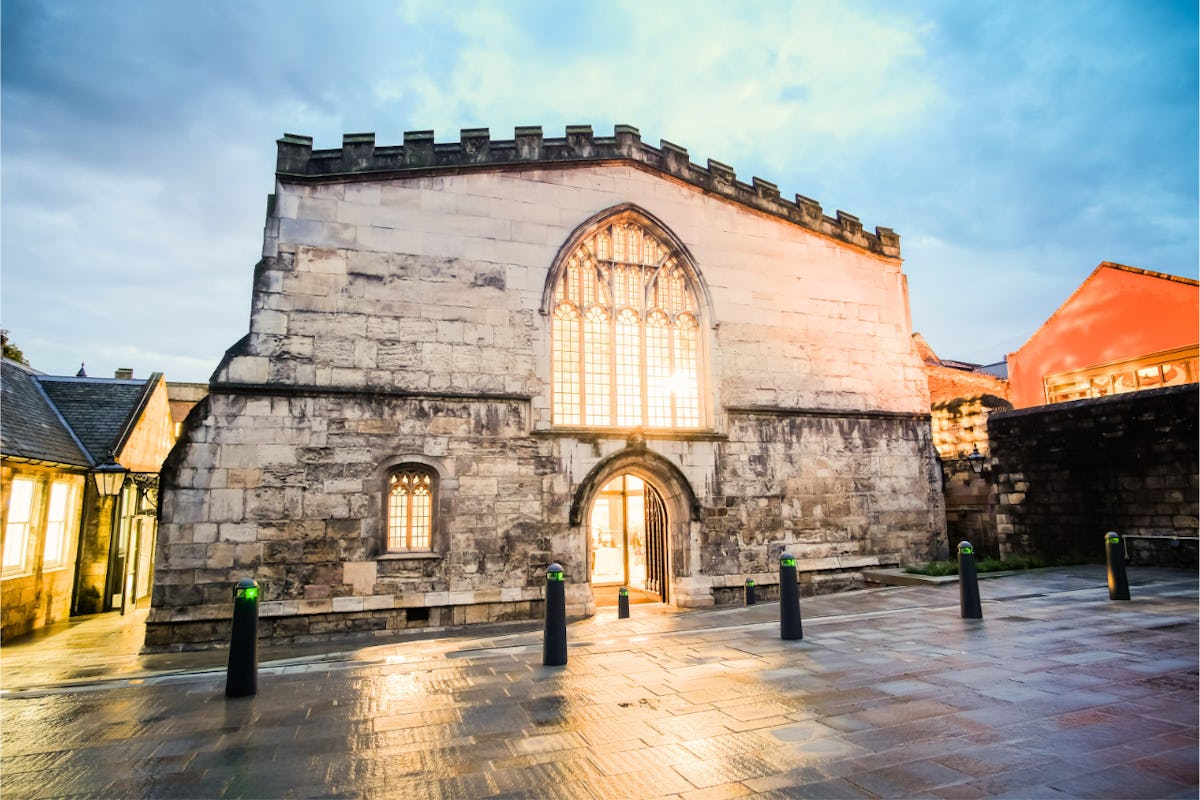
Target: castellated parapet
359,157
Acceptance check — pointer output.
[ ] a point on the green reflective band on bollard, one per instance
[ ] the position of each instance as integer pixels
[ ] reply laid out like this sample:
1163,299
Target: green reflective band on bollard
247,592
554,576
1111,537
624,592
751,584
787,561
966,551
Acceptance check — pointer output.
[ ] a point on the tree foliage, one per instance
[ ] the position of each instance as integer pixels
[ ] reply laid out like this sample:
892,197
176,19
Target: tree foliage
11,351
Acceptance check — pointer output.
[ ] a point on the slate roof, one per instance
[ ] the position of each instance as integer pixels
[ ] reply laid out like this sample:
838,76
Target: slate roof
30,427
67,420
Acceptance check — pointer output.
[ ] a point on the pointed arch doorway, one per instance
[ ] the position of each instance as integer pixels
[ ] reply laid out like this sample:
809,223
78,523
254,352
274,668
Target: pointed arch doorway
627,526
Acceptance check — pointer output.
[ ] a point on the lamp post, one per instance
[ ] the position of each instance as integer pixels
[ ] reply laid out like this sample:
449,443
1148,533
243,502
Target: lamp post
110,479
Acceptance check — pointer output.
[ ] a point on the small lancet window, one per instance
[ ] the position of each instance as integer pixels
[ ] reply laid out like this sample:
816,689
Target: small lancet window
410,511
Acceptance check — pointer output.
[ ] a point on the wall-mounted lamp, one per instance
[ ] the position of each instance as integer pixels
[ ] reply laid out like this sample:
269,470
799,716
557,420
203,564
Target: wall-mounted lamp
110,477
975,460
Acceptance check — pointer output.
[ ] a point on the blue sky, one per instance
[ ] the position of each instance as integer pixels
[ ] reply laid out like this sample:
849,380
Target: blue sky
1013,146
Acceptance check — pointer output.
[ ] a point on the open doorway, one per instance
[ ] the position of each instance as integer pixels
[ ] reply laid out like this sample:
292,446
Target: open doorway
628,529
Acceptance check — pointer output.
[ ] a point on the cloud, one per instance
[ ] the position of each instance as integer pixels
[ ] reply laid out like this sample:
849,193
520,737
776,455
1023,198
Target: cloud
1013,147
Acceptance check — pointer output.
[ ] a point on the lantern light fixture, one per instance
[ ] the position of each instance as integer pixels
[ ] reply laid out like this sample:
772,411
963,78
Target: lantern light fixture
975,459
110,477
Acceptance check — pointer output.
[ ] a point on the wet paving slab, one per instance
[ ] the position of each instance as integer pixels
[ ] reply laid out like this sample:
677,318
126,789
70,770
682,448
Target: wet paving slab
1057,692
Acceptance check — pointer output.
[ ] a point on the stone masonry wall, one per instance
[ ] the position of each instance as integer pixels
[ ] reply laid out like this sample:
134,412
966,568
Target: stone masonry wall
400,314
1066,474
436,284
289,490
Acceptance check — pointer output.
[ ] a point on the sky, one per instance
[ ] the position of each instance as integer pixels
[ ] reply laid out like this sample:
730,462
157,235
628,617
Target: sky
1013,146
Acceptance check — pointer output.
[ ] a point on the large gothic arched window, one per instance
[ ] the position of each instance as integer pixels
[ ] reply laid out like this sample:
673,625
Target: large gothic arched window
626,333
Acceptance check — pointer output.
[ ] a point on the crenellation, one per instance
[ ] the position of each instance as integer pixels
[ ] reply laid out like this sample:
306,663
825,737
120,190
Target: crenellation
477,150
765,189
810,211
475,144
418,148
580,140
528,142
722,177
358,151
850,224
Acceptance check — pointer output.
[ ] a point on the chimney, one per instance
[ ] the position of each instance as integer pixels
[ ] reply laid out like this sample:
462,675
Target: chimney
124,374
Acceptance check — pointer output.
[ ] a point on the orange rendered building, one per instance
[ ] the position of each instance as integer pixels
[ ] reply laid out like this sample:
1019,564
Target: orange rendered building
1122,330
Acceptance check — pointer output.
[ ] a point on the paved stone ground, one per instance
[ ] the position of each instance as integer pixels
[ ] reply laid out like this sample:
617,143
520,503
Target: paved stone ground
1058,692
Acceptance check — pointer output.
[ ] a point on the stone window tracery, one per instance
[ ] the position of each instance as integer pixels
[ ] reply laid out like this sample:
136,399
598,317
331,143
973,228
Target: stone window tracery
410,510
625,332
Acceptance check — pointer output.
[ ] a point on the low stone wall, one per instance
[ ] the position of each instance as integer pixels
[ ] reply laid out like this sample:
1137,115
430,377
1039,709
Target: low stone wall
1064,475
302,628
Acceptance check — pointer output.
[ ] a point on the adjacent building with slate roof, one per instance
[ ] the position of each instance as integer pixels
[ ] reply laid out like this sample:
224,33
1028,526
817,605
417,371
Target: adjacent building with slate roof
66,548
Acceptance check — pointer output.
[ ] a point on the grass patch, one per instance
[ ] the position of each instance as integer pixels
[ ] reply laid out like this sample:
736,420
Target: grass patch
940,568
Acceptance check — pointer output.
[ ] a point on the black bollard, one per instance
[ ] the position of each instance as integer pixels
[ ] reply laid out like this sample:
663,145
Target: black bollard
623,603
241,675
790,626
750,594
1118,582
968,582
554,643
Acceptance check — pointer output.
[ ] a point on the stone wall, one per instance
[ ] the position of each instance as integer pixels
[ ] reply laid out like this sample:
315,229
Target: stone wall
401,314
970,508
1064,475
961,424
289,490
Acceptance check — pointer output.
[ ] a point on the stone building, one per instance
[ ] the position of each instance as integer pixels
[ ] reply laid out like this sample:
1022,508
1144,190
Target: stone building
79,461
468,360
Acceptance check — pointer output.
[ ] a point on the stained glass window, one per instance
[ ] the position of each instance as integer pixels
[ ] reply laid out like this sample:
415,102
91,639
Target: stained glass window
626,347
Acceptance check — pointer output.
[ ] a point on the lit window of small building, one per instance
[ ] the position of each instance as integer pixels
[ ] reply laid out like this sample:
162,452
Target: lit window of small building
58,519
1171,368
16,530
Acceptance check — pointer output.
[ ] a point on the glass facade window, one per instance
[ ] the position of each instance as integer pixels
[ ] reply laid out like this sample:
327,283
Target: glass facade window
410,511
625,332
17,524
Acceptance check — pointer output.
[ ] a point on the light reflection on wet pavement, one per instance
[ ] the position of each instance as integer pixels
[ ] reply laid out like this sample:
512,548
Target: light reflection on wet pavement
1057,692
